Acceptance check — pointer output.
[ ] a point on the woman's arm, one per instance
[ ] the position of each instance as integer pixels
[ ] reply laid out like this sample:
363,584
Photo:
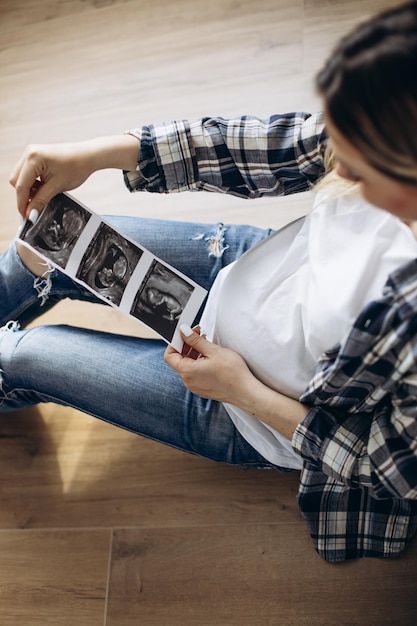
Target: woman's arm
377,451
247,157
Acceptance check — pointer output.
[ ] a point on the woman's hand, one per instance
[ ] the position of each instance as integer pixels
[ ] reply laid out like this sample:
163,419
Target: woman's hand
209,370
46,170
222,375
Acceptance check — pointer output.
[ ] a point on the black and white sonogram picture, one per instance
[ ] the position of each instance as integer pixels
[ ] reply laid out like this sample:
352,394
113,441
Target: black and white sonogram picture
56,231
161,299
108,263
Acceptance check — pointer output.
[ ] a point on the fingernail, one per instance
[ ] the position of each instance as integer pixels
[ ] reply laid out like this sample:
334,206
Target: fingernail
33,216
186,330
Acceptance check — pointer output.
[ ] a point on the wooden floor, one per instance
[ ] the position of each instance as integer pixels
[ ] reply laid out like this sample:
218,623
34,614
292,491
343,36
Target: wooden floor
99,527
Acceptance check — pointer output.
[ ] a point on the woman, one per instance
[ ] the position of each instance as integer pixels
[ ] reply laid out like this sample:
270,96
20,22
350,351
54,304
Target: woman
354,430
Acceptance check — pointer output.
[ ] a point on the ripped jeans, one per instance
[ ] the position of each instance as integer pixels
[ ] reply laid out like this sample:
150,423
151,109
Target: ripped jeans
122,380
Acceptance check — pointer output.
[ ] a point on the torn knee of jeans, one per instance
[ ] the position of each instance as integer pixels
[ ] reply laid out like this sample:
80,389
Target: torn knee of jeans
43,284
11,326
215,241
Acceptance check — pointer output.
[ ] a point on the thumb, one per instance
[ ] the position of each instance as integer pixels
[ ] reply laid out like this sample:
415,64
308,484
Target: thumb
196,341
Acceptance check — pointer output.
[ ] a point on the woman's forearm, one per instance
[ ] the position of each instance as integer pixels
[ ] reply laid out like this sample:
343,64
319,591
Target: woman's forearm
116,151
283,414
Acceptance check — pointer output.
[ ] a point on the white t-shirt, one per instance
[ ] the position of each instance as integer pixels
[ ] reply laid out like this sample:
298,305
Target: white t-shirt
296,294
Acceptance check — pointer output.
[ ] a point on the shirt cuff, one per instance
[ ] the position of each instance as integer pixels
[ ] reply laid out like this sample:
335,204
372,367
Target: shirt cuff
167,161
332,445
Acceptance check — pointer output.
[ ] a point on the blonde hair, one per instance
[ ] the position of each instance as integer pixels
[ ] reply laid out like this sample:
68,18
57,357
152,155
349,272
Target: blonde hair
334,184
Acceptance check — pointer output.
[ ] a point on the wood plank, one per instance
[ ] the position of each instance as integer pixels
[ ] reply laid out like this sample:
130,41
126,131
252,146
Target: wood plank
327,21
251,575
54,578
148,74
74,471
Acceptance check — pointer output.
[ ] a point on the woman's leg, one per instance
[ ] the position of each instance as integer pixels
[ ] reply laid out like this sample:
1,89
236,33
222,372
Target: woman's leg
197,250
25,296
122,380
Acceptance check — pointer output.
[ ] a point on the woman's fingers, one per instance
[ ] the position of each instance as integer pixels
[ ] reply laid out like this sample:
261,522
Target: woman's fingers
28,178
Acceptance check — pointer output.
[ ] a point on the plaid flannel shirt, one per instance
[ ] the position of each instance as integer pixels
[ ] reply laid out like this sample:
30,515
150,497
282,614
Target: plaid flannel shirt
245,157
358,488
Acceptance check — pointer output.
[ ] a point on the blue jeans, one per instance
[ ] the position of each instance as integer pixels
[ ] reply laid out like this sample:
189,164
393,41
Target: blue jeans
122,380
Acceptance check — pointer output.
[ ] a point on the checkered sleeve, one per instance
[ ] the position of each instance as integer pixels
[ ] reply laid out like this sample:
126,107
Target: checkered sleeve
377,451
362,425
247,157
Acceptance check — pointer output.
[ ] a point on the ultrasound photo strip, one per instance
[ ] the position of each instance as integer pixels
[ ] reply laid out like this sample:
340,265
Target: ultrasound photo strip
114,268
